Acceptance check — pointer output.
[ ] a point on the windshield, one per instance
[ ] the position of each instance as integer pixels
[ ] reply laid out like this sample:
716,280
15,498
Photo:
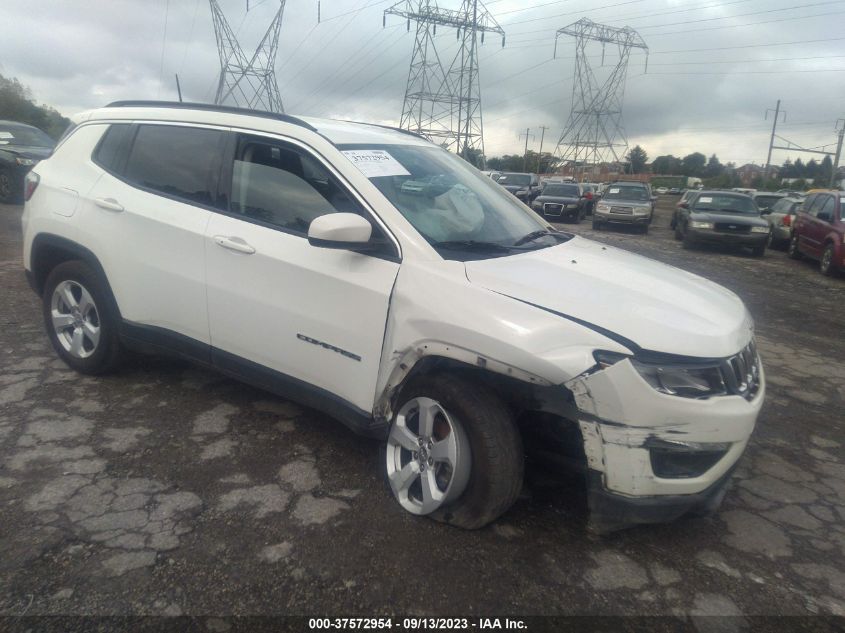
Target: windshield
725,204
24,136
767,202
570,191
514,179
463,214
627,193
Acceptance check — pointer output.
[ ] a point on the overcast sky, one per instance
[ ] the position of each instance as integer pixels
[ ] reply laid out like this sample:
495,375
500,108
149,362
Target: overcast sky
713,70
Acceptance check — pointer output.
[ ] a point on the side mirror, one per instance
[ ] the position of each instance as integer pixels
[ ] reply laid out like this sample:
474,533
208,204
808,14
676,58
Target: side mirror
340,230
683,205
765,211
654,198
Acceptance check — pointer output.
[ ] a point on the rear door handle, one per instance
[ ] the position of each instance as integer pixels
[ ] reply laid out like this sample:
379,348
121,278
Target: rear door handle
108,203
234,244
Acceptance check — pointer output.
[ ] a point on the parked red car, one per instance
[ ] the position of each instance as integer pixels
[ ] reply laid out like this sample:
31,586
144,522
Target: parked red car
818,231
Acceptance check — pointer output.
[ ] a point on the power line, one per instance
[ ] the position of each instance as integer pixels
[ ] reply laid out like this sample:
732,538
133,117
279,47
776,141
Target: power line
742,15
791,18
366,6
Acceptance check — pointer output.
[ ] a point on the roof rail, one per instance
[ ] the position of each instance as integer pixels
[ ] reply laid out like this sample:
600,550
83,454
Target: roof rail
186,105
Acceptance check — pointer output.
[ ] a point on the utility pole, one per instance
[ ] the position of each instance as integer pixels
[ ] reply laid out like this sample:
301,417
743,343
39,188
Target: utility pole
841,125
543,129
772,140
525,156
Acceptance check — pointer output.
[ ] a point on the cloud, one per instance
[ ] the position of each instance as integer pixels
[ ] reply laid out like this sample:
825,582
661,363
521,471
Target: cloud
713,70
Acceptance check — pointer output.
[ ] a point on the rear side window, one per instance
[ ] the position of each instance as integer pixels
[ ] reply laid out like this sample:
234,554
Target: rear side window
110,151
181,162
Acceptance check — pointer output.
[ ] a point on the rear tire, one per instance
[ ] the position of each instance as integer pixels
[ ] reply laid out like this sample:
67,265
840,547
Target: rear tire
484,433
81,323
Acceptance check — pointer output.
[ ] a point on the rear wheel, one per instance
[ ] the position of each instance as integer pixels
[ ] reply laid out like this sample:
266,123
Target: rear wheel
79,318
792,250
826,266
453,452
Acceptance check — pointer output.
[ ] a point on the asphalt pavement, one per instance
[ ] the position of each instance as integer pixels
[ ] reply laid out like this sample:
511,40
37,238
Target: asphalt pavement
167,489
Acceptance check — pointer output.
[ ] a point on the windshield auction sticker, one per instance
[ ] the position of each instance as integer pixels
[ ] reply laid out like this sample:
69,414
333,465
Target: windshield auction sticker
374,163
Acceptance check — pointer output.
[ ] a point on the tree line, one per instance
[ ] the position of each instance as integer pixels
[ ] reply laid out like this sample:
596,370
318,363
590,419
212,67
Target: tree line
17,104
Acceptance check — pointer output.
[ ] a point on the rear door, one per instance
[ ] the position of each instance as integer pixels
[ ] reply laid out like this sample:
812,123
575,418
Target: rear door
281,310
153,205
817,228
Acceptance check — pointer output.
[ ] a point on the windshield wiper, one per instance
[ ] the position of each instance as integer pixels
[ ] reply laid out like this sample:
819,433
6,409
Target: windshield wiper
533,235
472,245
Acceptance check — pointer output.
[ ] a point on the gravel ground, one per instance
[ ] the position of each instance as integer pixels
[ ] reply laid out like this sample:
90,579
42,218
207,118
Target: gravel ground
166,489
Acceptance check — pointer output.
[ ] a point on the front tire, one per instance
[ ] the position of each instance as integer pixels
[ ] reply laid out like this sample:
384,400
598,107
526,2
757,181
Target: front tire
596,224
453,453
758,251
79,318
826,266
792,250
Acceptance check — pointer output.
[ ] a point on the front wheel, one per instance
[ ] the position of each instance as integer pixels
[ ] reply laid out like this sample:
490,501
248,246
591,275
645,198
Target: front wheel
79,319
453,452
792,250
826,266
758,251
596,224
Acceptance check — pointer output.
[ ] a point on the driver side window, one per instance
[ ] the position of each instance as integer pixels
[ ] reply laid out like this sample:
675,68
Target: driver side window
279,185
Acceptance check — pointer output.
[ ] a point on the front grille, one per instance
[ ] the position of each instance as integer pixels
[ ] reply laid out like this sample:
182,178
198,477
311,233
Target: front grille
728,227
553,209
622,210
741,372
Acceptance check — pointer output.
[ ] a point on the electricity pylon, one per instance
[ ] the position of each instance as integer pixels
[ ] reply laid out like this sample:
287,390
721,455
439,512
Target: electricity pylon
248,82
444,103
594,132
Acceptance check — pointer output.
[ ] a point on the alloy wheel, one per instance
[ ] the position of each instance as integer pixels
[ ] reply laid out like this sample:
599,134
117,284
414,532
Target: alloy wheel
428,456
75,319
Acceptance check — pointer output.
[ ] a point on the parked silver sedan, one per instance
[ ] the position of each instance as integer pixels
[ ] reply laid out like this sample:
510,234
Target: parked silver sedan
780,217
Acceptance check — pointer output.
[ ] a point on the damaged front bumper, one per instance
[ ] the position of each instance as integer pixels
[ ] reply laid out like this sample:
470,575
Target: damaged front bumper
653,457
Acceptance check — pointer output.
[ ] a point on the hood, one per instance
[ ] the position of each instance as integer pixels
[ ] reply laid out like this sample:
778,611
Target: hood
658,307
26,151
513,188
558,199
621,202
732,218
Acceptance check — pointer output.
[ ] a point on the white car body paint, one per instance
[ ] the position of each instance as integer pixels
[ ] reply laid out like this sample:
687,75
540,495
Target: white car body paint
537,317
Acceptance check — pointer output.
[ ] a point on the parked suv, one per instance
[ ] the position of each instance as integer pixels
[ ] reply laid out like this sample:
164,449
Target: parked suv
624,203
526,187
374,276
818,231
562,201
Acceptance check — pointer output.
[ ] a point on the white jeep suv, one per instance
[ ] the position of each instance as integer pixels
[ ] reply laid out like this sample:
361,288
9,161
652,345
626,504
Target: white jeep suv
372,275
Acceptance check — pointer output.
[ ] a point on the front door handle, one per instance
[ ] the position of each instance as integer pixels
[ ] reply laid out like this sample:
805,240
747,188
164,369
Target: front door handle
108,203
234,244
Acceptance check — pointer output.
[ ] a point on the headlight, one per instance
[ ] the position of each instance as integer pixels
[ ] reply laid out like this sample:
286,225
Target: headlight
25,161
686,382
694,224
759,229
603,207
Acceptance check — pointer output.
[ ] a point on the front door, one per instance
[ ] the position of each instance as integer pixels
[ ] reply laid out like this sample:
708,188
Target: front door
278,304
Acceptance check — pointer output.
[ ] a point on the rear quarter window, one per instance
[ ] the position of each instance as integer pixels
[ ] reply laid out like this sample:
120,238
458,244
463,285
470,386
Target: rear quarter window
111,150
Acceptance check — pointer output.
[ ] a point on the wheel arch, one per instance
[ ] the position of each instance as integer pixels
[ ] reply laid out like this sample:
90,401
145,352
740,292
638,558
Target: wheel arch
49,250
